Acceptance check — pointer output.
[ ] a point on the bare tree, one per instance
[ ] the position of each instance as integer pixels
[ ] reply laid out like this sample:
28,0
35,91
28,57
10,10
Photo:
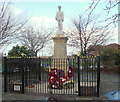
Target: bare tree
92,30
9,26
112,10
88,31
34,39
109,5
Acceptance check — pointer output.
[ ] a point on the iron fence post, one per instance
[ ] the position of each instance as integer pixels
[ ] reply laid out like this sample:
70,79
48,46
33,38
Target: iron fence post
22,66
26,70
5,74
98,75
40,69
78,76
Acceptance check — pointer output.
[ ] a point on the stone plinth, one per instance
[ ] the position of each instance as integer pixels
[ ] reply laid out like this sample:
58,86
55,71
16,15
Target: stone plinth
60,52
60,63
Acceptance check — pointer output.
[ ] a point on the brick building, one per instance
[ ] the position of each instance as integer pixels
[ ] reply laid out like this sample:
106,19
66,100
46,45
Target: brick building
98,49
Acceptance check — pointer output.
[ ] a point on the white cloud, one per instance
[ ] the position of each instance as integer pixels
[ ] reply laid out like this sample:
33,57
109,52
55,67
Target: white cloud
17,11
114,36
43,21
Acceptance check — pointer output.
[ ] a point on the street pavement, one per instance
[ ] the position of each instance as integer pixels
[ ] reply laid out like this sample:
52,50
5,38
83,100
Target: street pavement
109,82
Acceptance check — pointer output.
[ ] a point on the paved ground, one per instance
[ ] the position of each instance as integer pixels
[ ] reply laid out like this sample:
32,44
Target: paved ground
109,82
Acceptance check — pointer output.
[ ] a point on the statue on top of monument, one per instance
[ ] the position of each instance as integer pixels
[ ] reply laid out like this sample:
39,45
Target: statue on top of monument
60,19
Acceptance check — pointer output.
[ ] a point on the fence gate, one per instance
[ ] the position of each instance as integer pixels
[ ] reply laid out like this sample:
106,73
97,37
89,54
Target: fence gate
72,75
88,76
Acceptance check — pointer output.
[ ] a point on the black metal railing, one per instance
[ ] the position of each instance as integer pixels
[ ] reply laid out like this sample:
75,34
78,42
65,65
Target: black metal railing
78,75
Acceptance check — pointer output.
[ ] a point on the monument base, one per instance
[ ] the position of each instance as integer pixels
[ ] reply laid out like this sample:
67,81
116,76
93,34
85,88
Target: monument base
60,46
60,63
59,60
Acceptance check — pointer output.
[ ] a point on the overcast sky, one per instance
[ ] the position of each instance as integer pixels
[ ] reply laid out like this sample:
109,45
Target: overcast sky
43,13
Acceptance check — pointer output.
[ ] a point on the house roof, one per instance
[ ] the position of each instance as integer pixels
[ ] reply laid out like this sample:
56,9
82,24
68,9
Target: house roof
115,45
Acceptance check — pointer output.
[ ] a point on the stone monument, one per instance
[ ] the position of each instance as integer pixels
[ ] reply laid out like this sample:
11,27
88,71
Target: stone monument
60,49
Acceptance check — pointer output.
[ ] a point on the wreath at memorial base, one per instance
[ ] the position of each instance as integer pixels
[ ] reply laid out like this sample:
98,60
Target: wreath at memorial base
58,80
68,84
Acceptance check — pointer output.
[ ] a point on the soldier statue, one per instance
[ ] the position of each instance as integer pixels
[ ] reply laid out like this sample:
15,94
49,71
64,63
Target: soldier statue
60,19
